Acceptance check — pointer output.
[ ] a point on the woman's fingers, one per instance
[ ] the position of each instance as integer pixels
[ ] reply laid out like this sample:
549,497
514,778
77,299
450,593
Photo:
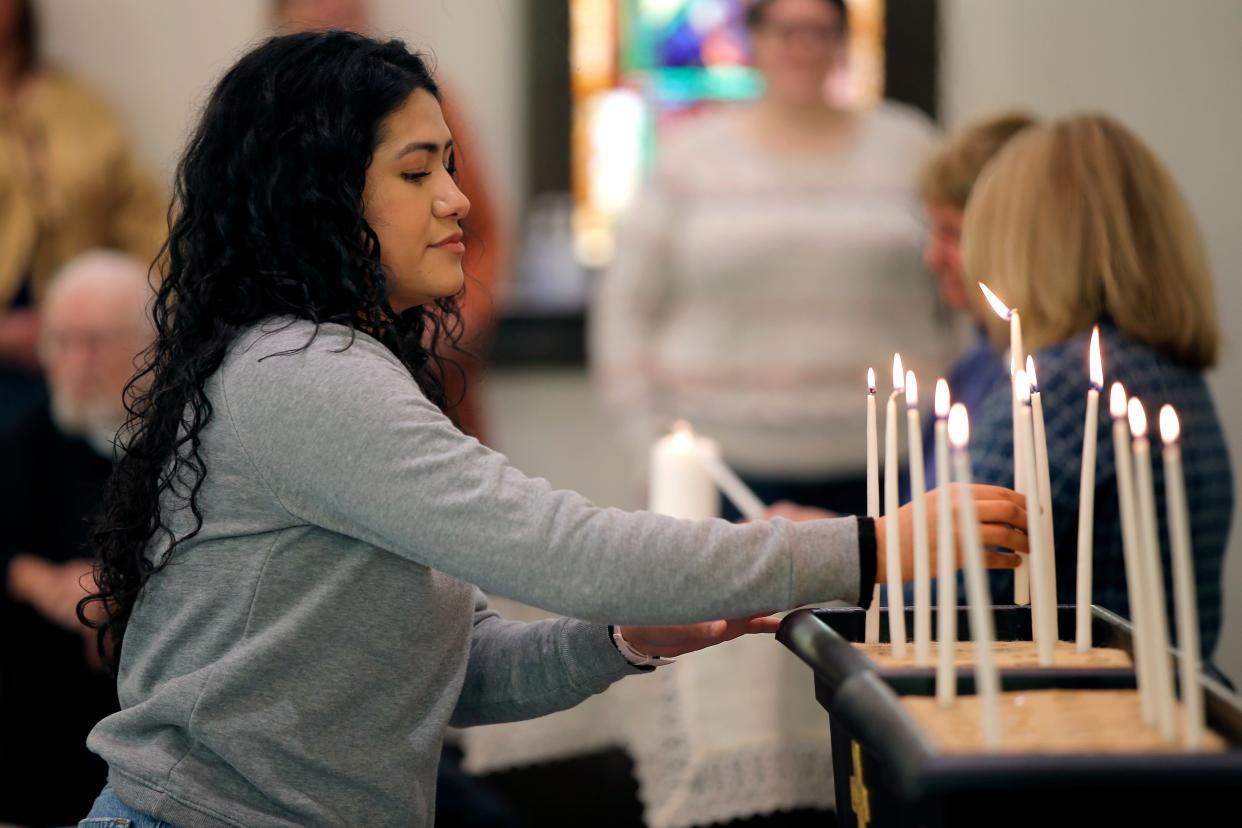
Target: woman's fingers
1001,511
1005,536
1000,560
986,491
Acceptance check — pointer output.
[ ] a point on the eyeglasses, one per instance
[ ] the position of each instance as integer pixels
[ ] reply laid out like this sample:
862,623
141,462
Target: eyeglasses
808,33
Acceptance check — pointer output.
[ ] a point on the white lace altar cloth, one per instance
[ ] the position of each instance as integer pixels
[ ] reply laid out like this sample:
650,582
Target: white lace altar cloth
725,733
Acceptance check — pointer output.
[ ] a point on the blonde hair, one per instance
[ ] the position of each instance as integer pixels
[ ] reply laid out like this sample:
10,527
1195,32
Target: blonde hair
1079,219
950,174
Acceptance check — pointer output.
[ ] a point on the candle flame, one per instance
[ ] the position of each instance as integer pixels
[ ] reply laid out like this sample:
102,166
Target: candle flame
1030,374
942,398
1170,428
912,390
898,375
683,434
1002,310
1117,401
1097,364
959,426
1138,418
870,380
1023,387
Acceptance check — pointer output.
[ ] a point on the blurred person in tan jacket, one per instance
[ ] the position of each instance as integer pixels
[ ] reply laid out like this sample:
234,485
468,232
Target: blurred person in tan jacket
69,182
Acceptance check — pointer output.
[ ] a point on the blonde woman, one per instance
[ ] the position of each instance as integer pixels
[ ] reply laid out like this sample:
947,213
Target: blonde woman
1079,224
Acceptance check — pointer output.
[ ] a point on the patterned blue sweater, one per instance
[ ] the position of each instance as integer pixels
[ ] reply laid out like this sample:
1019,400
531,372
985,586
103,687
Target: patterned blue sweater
1156,380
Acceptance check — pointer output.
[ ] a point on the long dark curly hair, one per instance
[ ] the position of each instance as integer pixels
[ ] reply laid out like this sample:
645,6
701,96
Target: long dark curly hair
267,220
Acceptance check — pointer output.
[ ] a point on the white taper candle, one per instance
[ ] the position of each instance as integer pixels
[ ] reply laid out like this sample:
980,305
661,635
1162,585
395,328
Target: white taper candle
733,487
1021,575
1183,580
979,598
1135,591
946,557
1044,480
1041,609
1153,573
892,504
1086,500
918,500
871,632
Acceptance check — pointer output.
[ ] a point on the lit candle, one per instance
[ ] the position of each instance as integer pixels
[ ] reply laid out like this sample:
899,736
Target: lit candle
680,486
1129,544
978,596
1086,499
918,499
740,495
1153,575
1044,479
896,600
1183,579
1021,575
946,569
1041,610
871,633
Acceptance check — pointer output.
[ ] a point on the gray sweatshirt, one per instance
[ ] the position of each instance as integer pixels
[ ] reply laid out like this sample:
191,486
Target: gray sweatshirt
297,661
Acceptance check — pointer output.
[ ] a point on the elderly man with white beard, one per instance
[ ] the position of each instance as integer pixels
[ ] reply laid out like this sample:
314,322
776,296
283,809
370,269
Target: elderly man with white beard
53,466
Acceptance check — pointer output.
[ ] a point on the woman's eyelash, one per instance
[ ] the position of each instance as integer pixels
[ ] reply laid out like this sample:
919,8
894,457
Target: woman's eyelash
415,177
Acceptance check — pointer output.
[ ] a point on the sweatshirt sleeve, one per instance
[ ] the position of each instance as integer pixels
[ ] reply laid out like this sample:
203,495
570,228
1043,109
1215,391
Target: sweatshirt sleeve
522,670
345,440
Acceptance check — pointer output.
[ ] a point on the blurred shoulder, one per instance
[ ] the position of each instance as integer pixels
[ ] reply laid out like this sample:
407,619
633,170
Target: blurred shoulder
699,139
64,95
903,126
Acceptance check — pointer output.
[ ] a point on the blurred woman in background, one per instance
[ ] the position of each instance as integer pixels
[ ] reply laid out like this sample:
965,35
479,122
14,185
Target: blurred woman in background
774,257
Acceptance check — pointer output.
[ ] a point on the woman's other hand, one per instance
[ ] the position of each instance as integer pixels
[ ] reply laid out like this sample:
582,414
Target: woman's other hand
667,642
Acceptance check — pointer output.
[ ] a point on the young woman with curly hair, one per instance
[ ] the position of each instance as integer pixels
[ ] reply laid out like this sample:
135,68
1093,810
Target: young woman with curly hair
292,548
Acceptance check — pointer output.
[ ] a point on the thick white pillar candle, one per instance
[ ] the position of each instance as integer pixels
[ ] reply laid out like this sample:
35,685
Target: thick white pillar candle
871,633
946,557
1153,573
1017,358
1044,479
978,596
680,486
1183,580
918,500
1041,609
1135,591
892,503
1086,500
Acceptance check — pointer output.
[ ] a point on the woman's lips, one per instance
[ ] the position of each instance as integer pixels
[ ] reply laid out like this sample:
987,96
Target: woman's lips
453,244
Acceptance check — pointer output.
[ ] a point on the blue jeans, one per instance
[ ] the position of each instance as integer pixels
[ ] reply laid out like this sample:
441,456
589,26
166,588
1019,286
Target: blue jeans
110,812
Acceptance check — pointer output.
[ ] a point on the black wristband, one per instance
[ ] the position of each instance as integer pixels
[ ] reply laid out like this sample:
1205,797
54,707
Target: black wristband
866,561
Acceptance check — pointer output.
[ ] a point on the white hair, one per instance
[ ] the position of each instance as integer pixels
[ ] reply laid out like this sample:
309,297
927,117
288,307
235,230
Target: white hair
107,268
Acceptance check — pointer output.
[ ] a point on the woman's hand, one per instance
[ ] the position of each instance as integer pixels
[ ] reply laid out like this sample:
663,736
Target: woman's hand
666,642
1002,523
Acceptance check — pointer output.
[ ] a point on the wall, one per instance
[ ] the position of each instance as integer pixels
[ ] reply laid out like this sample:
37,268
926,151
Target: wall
156,62
1171,71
